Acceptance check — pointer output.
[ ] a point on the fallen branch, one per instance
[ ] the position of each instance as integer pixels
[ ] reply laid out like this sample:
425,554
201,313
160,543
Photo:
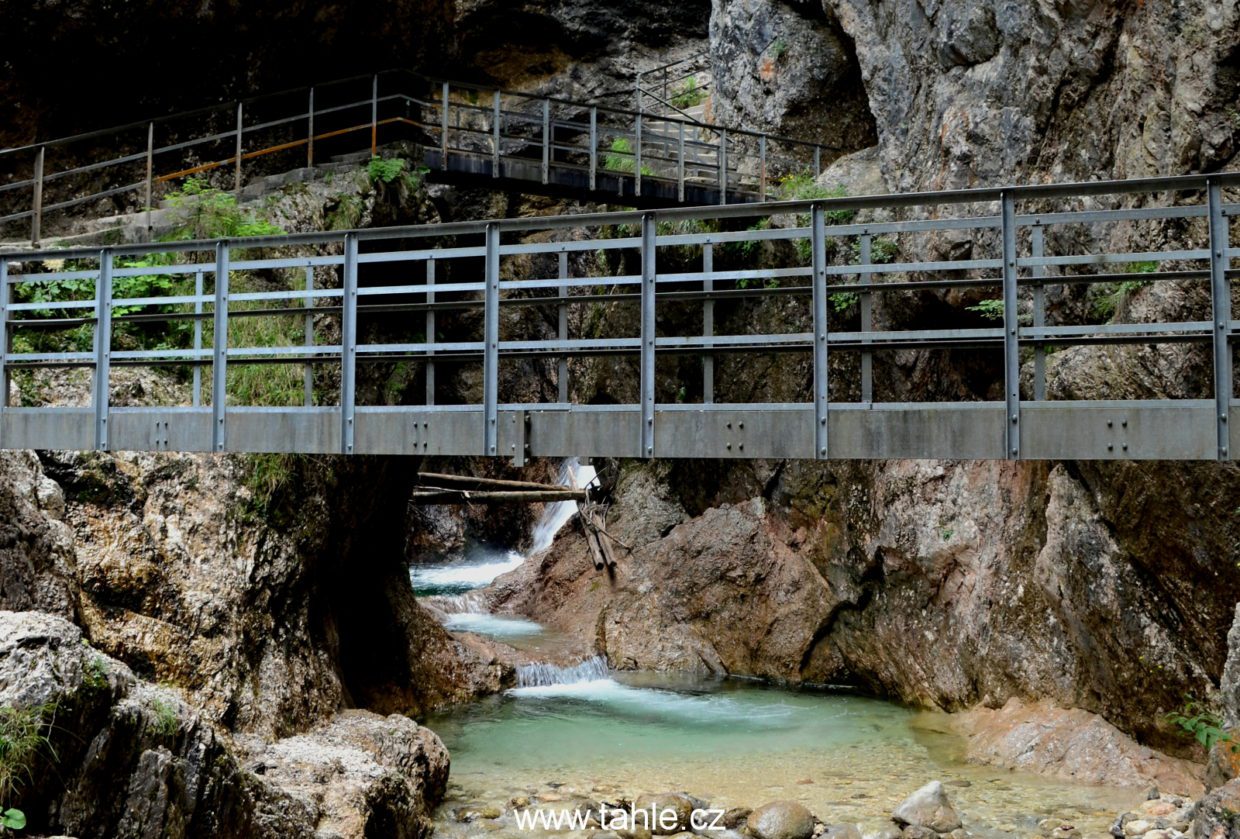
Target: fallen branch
430,495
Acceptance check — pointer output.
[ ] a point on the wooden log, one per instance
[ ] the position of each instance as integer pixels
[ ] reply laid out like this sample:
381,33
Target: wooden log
595,527
595,550
435,479
460,496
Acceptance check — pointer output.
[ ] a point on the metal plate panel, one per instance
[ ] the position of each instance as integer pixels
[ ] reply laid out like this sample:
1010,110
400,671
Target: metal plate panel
48,428
735,434
306,431
161,430
918,431
1119,431
402,431
585,433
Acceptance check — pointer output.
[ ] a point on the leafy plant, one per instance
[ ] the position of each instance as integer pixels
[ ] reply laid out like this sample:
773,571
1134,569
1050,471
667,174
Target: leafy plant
989,309
779,47
1205,726
209,213
22,738
689,94
167,720
622,159
393,169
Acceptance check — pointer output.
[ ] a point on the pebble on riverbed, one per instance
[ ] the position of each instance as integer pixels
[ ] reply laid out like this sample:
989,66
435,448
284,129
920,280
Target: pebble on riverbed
1159,817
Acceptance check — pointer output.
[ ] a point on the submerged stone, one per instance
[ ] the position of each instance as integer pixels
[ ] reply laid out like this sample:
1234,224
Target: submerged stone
929,808
781,820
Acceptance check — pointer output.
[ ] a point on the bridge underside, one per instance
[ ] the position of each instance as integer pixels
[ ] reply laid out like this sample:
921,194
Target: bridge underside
1147,430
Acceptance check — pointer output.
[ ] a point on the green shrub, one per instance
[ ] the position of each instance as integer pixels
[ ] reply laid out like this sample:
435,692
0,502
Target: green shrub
622,159
22,738
1205,726
167,719
209,213
989,309
688,95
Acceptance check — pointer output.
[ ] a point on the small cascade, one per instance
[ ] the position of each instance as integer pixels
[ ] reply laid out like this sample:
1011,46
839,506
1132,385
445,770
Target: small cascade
559,513
543,675
469,603
459,578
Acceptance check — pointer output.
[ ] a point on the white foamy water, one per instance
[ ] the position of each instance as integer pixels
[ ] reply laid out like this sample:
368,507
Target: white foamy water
546,675
493,625
463,576
557,514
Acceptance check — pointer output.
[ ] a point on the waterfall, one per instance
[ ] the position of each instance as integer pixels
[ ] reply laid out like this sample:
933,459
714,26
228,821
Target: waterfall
542,675
559,513
471,602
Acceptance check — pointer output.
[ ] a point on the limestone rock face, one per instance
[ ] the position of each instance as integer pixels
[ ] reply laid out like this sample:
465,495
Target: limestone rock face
782,67
928,808
969,93
1218,814
127,758
37,562
1072,744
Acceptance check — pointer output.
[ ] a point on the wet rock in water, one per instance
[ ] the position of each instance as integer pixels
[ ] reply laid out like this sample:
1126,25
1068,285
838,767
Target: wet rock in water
928,808
678,806
916,831
781,820
735,817
887,832
841,831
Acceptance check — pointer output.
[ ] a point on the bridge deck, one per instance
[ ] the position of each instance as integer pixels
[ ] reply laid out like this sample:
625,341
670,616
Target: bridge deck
649,293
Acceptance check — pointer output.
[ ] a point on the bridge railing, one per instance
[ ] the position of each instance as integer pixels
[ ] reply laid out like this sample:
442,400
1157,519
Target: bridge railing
742,331
135,165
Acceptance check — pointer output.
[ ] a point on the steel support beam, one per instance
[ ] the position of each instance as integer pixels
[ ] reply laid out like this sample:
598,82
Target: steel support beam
374,117
307,371
867,317
649,262
497,118
430,330
348,348
637,158
593,148
762,167
196,397
237,158
562,332
1011,323
4,336
36,201
490,338
219,352
103,349
1220,299
1037,247
310,131
722,160
708,323
546,141
680,166
818,246
150,175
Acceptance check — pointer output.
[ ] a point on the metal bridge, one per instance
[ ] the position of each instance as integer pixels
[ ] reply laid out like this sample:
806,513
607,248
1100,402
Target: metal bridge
656,156
503,305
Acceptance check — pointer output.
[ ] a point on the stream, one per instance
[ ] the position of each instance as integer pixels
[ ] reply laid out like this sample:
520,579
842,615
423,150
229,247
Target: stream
568,735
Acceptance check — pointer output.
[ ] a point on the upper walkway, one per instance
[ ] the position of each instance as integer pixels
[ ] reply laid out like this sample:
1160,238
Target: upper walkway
463,133
740,331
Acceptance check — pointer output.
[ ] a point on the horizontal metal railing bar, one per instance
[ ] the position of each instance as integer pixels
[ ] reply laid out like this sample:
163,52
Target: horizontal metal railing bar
1095,216
731,211
1113,258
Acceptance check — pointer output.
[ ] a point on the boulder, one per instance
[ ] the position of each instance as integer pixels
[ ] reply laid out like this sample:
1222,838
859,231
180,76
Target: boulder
1218,813
928,808
675,803
781,820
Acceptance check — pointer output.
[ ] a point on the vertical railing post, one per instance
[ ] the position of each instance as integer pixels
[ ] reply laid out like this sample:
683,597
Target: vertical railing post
817,161
723,166
1037,249
103,348
1011,340
818,246
150,175
637,158
310,132
307,370
490,338
762,166
374,116
637,95
867,319
497,131
443,128
36,201
593,147
546,138
219,352
708,323
348,346
240,136
1220,300
680,166
4,336
430,330
649,261
196,397
562,331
